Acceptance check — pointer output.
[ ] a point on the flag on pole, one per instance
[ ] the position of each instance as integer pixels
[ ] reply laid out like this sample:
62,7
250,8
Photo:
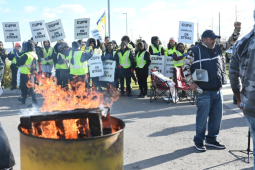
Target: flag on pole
101,24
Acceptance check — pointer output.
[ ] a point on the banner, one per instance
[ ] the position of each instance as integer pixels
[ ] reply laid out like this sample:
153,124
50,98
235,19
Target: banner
186,32
98,35
157,62
169,66
11,31
101,24
55,30
81,28
96,66
39,31
109,71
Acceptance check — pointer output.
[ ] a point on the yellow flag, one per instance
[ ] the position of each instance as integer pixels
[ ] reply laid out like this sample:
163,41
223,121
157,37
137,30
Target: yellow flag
101,23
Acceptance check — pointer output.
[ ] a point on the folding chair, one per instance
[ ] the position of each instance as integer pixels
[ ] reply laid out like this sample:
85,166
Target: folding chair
159,88
183,89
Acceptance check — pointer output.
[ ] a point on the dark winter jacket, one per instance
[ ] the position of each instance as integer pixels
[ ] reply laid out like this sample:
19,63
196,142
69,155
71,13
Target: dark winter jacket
242,72
11,56
6,155
126,72
3,54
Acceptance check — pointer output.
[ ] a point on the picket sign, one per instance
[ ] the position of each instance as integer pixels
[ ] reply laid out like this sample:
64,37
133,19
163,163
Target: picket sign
81,28
109,71
55,30
169,67
98,35
186,32
11,32
96,68
39,31
157,62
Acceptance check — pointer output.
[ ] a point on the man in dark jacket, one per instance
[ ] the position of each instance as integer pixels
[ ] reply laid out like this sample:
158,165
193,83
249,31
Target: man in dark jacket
142,61
28,63
6,156
242,69
3,55
126,65
210,101
12,57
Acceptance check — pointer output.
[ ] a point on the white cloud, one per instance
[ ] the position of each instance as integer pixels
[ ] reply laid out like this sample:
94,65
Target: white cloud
119,11
157,6
29,9
192,2
4,10
46,9
69,8
48,15
2,2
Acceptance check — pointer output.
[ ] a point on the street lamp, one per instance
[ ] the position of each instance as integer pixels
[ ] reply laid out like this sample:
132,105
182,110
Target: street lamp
126,24
131,34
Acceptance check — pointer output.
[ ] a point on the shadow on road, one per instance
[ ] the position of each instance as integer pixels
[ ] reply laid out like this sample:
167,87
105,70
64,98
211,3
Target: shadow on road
147,163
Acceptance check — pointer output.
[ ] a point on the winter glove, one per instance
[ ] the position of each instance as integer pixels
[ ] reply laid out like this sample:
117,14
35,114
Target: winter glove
46,58
15,51
132,70
158,53
119,66
184,55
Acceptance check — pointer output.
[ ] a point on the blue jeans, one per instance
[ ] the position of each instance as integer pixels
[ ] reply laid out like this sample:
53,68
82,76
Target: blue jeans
251,121
209,104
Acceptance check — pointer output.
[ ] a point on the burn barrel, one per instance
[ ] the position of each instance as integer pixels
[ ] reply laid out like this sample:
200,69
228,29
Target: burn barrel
99,152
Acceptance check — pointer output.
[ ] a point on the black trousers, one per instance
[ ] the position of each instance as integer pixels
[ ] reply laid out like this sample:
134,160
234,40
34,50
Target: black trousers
14,78
128,81
142,81
61,82
25,91
133,77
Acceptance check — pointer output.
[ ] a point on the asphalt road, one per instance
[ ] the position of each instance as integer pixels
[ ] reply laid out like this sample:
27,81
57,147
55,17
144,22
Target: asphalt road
158,136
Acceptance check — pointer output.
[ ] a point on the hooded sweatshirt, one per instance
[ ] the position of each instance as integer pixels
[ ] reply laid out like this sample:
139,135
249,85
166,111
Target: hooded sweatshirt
143,72
156,46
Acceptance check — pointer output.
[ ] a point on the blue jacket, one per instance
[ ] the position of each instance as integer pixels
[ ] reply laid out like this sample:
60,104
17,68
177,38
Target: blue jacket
213,62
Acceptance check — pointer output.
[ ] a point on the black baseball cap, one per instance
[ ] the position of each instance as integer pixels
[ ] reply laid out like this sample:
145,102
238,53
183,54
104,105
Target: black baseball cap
210,34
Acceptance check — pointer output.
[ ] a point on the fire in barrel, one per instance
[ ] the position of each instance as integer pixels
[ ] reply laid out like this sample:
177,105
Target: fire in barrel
73,139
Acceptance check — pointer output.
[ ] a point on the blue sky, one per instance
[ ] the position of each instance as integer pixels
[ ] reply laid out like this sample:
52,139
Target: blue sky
145,18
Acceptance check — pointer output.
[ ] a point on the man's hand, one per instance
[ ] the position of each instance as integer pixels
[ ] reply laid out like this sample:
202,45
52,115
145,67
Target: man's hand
238,103
237,25
194,86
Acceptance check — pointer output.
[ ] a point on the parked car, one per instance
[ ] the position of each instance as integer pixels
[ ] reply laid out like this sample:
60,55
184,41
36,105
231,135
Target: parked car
228,54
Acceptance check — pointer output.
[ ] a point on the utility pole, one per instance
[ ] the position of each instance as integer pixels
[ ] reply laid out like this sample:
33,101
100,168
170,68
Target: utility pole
131,34
219,23
197,32
126,24
109,27
212,23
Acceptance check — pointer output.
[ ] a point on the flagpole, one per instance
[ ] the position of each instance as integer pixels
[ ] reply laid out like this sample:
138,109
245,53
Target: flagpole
105,23
109,30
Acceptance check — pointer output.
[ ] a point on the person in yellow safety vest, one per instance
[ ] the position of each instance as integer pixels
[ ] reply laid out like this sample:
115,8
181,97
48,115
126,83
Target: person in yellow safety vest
78,61
179,55
155,48
96,48
28,63
130,45
16,52
109,54
126,64
47,60
171,48
62,65
142,62
115,45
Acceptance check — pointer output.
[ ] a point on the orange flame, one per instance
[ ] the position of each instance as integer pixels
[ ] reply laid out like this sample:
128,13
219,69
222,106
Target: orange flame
76,97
